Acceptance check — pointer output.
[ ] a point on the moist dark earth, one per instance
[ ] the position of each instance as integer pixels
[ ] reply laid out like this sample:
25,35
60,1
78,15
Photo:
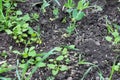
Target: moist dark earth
88,37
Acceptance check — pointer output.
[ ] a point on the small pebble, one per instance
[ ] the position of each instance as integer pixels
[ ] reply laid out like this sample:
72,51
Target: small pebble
69,78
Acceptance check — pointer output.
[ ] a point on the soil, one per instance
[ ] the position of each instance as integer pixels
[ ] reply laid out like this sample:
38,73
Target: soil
88,37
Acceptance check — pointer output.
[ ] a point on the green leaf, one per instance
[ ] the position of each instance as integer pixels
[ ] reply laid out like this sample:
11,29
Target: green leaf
55,11
2,17
59,58
19,12
80,15
41,64
117,39
31,48
1,5
25,55
24,27
55,72
70,28
16,52
69,10
71,47
34,34
31,61
38,58
51,66
26,50
82,4
51,60
8,31
74,13
63,68
22,65
65,51
44,5
24,35
108,38
58,48
116,68
69,4
26,17
77,15
115,33
32,53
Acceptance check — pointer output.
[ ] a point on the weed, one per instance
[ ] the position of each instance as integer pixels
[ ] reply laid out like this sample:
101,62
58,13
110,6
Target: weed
3,54
29,57
115,68
5,67
64,20
56,13
34,16
114,38
83,62
4,78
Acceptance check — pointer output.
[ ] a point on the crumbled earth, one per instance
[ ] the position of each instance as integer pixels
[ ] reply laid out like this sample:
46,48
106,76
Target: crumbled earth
88,37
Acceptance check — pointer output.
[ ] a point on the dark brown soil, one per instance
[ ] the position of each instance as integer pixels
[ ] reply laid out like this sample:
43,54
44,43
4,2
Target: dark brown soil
89,38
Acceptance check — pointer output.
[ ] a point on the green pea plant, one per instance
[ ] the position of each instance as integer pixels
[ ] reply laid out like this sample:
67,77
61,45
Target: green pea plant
60,62
16,24
22,32
8,8
75,13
